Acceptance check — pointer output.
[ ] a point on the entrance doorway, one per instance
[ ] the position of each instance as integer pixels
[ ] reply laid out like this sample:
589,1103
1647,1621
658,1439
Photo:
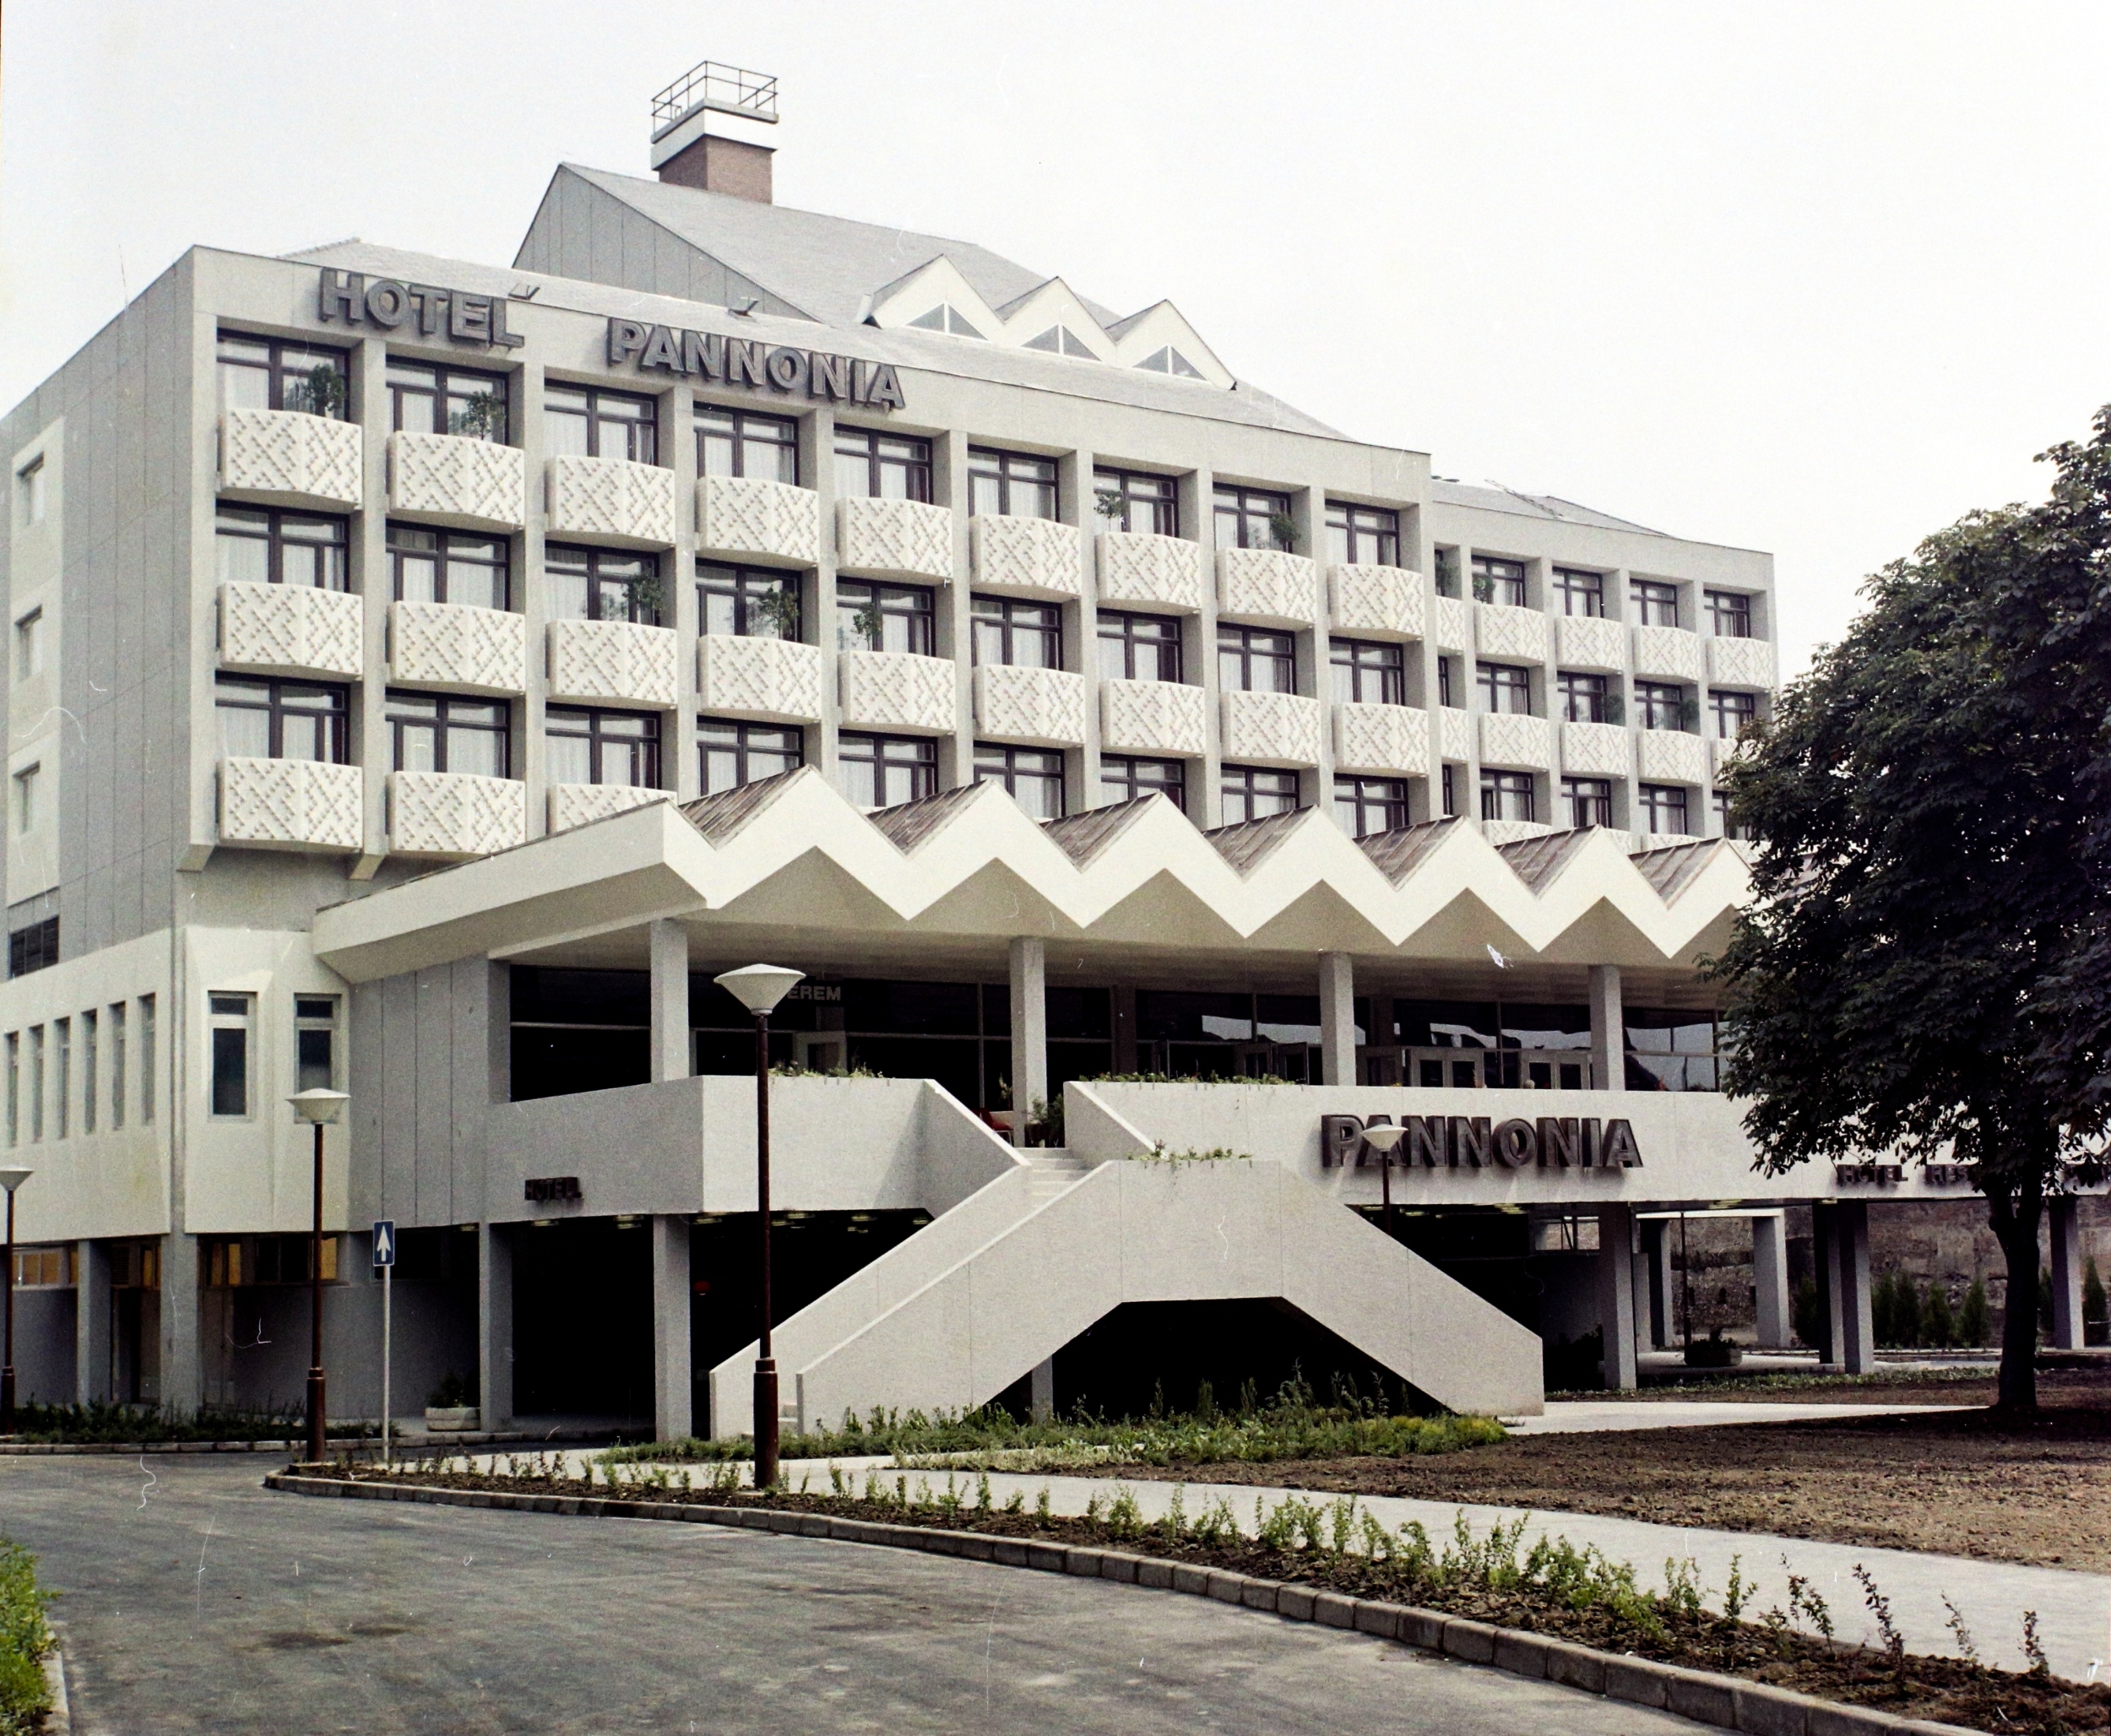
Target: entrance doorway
582,1319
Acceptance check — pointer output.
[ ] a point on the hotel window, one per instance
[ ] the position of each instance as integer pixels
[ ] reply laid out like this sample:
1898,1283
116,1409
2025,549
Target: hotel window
1507,795
28,645
731,754
871,616
1255,659
603,584
1653,604
37,1082
450,566
45,1267
885,770
1256,793
1011,483
1139,648
28,810
1670,1048
1584,699
1362,536
14,1087
115,1020
1450,782
1032,776
1663,807
1123,778
1724,821
1660,705
883,467
228,1020
946,317
1028,634
256,546
583,421
1581,593
90,1070
30,492
149,1061
1732,711
1587,801
62,1073
1504,687
436,400
747,602
315,1042
1364,806
1253,519
1730,614
1141,502
1496,581
1448,572
1061,340
739,442
1366,673
297,720
434,732
263,373
1170,360
618,747
33,934
1443,680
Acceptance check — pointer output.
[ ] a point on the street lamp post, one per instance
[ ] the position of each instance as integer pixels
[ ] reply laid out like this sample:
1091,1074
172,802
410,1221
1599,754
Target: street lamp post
1387,1140
759,988
319,1107
10,1180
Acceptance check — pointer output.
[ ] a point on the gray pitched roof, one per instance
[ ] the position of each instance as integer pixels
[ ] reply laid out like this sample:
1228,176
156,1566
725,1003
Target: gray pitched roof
1497,498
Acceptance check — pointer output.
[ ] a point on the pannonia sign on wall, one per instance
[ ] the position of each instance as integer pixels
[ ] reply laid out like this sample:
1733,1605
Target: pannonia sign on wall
1476,1142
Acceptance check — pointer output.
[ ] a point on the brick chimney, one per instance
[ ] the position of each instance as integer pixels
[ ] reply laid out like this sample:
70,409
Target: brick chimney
686,155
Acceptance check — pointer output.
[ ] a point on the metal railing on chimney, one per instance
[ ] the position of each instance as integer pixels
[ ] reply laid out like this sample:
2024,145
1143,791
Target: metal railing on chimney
730,91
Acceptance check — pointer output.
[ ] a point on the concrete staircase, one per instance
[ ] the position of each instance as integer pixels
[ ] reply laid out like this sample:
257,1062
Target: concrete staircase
1052,1171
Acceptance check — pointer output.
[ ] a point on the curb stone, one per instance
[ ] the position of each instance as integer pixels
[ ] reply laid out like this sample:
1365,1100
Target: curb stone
1728,1702
59,1720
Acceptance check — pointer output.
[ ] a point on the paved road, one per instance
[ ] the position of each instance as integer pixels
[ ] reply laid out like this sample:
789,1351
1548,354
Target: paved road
195,1600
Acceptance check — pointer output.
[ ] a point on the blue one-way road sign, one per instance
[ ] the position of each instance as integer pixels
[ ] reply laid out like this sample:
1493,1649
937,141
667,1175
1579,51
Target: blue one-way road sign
384,1241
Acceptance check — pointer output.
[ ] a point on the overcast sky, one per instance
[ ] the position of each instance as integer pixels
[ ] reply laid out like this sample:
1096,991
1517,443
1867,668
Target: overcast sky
1810,278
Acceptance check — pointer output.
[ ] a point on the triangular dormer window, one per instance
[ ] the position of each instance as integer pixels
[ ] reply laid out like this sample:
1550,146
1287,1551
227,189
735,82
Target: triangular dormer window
946,317
1170,360
1063,341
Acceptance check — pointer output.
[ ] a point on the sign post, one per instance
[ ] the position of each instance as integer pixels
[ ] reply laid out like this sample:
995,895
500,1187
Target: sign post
385,1259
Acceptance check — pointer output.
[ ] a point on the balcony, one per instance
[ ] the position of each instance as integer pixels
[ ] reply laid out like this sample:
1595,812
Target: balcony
764,680
456,648
1666,653
287,458
455,813
741,516
1167,718
1045,708
1502,831
1590,642
1162,574
292,805
1514,738
1375,602
1026,557
879,539
596,661
1595,750
1271,729
1266,587
1382,738
1670,757
895,690
1452,627
611,502
457,480
1455,733
291,629
1514,635
1741,662
1721,753
572,805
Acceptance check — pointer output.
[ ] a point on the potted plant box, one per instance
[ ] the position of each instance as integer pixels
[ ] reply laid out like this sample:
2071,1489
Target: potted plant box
448,1410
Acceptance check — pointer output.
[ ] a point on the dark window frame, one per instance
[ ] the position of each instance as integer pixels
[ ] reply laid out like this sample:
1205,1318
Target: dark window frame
740,588
921,762
1493,680
1003,471
1252,514
885,596
1357,798
1574,584
1124,777
1673,798
777,434
1587,801
1009,765
273,539
865,445
1158,494
1735,607
647,426
1650,599
1657,701
1164,633
744,742
276,693
1360,664
1583,695
1249,787
1005,621
404,375
561,722
1499,787
1355,523
445,723
1724,704
279,375
444,557
645,592
1506,580
1241,647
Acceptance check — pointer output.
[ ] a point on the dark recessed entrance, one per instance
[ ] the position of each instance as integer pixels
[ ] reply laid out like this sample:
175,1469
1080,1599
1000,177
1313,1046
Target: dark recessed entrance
582,1319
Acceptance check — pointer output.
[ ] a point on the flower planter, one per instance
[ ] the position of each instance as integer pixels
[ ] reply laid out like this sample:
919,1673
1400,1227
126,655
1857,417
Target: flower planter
449,1419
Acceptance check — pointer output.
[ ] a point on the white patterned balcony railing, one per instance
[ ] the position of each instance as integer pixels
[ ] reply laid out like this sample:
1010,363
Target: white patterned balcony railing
1721,753
610,501
581,803
457,648
764,680
1452,627
752,515
1666,653
1026,557
1500,832
287,458
1375,602
1271,729
288,804
895,690
1590,642
1670,757
1516,739
1266,587
1455,732
457,480
1168,718
1502,630
1382,738
1595,750
1045,708
1139,570
289,629
1658,841
455,813
893,538
594,660
1741,662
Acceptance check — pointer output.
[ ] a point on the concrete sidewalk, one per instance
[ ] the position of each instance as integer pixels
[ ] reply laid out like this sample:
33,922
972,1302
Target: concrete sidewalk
1594,1416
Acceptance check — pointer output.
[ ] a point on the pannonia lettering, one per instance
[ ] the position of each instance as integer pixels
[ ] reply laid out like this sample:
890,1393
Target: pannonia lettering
1475,1142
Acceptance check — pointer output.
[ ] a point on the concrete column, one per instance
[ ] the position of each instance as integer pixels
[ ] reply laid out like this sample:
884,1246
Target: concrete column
673,1377
1029,1029
1655,1249
494,1323
1337,1019
1616,1295
2063,1219
1639,1264
1770,1281
1843,1274
1825,1262
182,1378
669,944
92,1322
1041,1391
1609,1041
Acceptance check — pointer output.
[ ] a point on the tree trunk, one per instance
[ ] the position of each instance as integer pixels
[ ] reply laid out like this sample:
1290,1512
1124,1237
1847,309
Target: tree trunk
2015,1220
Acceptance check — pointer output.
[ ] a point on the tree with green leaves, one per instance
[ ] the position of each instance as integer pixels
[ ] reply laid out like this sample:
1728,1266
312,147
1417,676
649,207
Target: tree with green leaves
1921,975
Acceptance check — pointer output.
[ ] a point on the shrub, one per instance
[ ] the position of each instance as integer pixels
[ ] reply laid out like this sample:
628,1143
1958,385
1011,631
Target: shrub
25,1638
1975,1320
1807,1315
1941,1327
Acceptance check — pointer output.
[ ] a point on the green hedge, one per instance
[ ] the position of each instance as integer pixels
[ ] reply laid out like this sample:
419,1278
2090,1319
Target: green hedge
25,1638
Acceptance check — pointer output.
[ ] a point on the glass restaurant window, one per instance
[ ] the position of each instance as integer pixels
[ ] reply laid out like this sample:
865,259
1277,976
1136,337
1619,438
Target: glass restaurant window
1362,536
1506,796
1655,604
583,421
1663,807
1254,660
1032,776
1123,778
1364,806
1368,673
1139,648
264,373
748,602
1030,635
296,720
732,753
1732,712
584,746
434,732
870,465
1252,518
425,399
602,584
1730,614
450,566
1670,1048
871,616
1582,697
1581,593
1142,503
1504,687
1256,793
1496,581
1588,802
1012,483
1660,705
885,770
259,546
738,442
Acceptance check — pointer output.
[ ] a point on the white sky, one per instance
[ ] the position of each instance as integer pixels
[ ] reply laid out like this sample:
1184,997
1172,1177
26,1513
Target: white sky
1813,279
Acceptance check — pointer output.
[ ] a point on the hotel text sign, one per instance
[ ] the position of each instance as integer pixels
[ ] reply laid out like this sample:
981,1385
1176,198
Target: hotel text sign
741,362
1473,1142
389,303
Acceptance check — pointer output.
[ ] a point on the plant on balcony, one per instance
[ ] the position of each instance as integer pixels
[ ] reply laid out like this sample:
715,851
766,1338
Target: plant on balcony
776,611
868,624
1689,715
1107,502
1483,587
648,596
483,417
1283,528
320,392
1612,709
